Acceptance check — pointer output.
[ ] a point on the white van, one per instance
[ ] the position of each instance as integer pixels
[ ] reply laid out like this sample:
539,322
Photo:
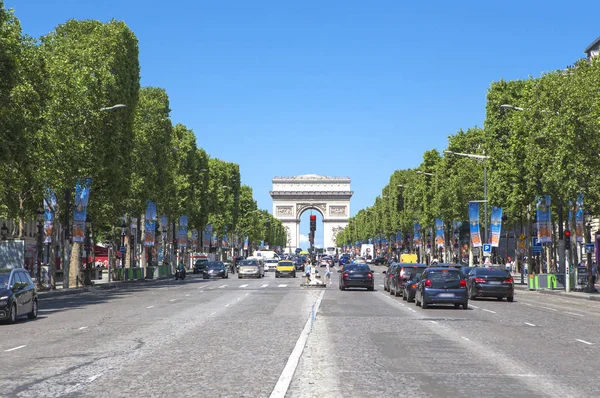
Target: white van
266,254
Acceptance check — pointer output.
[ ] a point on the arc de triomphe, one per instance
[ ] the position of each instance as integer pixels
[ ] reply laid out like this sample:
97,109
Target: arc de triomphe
330,196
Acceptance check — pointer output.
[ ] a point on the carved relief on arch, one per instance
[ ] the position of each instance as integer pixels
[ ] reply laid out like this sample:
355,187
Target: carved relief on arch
300,207
285,210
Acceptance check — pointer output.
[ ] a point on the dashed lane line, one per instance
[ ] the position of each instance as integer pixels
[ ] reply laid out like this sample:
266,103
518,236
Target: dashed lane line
584,342
83,327
265,285
282,285
548,308
490,311
573,313
150,307
473,306
464,338
222,286
244,285
16,348
529,324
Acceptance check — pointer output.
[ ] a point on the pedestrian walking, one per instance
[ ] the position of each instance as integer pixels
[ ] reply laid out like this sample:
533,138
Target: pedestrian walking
327,275
307,272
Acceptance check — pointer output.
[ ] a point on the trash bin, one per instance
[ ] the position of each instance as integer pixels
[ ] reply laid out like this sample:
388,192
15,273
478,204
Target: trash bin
149,272
533,282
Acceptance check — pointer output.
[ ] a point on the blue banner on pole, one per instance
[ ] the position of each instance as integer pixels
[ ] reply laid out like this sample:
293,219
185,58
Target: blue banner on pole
496,225
474,224
82,196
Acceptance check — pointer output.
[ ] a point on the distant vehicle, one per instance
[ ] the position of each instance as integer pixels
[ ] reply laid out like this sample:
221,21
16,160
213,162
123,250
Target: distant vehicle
408,258
402,273
491,282
200,264
18,295
271,264
367,251
410,288
216,269
194,257
442,286
299,263
331,251
345,258
285,267
266,254
251,267
356,275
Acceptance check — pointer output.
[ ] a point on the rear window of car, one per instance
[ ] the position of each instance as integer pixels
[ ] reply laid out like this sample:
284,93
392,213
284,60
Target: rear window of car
490,272
249,262
412,271
285,263
357,267
448,278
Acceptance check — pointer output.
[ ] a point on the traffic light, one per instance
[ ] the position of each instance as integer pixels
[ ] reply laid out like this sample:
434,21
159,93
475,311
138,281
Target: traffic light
567,240
174,242
313,223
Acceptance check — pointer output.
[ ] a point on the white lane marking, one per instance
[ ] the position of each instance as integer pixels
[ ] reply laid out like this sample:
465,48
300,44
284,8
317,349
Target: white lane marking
247,294
92,378
150,307
493,312
226,305
200,287
412,310
212,313
238,299
16,348
282,286
222,286
573,313
548,308
433,322
531,305
529,324
464,338
172,300
244,285
402,304
83,327
380,285
473,306
285,378
49,310
584,342
265,285
187,295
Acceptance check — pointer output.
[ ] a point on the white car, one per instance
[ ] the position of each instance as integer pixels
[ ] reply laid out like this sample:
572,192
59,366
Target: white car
271,264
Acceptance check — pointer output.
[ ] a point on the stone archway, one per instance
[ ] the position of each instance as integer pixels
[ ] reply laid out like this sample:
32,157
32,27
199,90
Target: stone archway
330,196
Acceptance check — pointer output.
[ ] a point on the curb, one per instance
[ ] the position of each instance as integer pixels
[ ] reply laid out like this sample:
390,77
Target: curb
104,286
578,296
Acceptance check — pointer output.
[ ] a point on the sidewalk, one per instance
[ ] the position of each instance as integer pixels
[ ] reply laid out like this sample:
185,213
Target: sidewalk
97,284
558,292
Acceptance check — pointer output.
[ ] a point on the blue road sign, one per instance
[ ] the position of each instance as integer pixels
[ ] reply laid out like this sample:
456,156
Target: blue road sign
487,249
122,250
589,247
536,245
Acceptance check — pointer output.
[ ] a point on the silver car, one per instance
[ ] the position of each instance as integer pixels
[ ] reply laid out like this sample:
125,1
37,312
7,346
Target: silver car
253,268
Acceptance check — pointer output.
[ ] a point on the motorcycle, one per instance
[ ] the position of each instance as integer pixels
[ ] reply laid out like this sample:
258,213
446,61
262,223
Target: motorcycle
180,274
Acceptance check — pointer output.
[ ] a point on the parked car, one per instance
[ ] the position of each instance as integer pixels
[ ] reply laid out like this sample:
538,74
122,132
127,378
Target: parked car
388,274
402,274
216,269
441,285
200,265
299,264
490,282
18,295
356,275
285,267
410,288
251,267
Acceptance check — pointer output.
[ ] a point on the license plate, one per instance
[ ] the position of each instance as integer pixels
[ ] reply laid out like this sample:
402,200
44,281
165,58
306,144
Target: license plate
494,283
446,295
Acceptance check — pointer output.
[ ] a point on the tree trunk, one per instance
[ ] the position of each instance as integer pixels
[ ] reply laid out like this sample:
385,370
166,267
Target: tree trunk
74,276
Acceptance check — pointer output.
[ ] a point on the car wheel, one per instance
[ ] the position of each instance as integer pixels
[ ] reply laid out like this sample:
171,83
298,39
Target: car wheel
471,296
499,298
294,275
404,297
465,306
34,310
390,290
424,304
410,299
396,293
226,276
456,306
417,302
372,288
342,287
12,316
239,276
510,299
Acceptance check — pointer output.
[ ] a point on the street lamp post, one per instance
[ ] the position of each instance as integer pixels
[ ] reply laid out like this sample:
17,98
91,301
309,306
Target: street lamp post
481,158
88,243
40,232
589,288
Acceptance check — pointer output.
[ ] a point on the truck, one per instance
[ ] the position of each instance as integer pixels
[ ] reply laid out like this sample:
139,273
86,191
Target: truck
367,250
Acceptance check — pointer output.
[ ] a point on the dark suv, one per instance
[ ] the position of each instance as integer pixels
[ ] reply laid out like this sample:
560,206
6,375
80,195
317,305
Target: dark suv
403,272
442,286
18,295
389,273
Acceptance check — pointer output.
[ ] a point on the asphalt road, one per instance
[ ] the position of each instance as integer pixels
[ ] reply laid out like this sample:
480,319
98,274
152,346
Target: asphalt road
242,338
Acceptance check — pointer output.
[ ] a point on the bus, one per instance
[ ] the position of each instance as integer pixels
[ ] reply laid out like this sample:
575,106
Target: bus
331,251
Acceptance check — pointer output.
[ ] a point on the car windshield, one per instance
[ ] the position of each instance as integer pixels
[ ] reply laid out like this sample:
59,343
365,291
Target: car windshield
4,280
443,279
490,272
249,262
216,265
285,263
202,261
357,267
411,272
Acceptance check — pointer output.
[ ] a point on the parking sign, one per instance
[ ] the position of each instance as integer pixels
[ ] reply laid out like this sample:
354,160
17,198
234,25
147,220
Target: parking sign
487,249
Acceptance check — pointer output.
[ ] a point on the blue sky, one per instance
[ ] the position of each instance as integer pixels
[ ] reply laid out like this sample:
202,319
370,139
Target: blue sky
339,88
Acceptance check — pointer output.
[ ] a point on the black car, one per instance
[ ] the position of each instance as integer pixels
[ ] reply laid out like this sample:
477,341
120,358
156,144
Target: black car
18,295
215,269
403,273
299,264
491,282
388,275
380,261
357,275
410,288
442,285
200,265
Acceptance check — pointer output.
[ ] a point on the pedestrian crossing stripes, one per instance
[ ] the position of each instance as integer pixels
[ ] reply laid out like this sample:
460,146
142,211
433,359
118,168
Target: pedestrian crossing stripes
248,286
243,285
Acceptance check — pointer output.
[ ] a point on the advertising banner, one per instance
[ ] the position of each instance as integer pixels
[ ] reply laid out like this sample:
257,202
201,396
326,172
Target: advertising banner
206,238
474,224
246,243
82,196
417,234
214,240
579,218
399,241
496,225
225,240
544,219
182,231
439,232
150,223
50,206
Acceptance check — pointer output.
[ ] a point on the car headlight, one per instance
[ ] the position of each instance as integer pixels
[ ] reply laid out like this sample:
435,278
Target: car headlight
3,300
